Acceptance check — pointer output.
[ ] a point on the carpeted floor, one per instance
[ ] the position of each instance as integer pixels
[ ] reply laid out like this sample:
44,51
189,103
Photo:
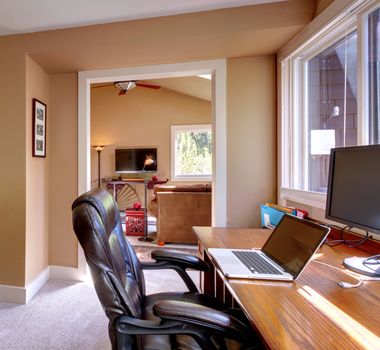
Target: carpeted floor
67,315
63,315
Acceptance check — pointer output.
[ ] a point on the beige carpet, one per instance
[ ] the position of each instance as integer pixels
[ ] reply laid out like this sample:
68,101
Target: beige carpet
63,315
67,315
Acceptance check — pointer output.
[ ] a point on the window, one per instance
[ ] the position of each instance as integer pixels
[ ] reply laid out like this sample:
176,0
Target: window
191,152
373,63
332,107
330,98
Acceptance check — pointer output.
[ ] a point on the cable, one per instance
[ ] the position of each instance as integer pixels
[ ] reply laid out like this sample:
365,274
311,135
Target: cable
349,285
347,242
336,242
360,280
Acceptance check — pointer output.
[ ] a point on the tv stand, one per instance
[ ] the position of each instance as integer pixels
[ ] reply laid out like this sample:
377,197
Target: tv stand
115,185
359,265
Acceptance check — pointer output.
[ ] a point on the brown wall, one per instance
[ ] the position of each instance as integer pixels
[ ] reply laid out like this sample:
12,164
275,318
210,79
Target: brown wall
63,128
12,155
37,178
141,118
251,138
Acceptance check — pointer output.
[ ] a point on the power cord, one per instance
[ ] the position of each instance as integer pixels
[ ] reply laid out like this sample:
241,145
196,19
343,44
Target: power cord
348,242
348,285
360,281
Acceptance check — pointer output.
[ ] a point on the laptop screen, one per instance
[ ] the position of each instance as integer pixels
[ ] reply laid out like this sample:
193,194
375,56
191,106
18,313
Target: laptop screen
293,242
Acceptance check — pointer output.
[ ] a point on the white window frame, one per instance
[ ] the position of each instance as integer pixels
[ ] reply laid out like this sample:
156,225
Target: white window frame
293,137
174,130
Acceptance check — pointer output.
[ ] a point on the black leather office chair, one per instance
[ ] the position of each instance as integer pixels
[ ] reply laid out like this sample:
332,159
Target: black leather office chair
187,320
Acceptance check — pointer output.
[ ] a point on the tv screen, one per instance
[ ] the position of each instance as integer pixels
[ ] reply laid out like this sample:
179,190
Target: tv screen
135,160
353,194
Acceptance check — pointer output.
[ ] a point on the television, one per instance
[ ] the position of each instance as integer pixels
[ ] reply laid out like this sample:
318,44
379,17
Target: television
353,196
135,160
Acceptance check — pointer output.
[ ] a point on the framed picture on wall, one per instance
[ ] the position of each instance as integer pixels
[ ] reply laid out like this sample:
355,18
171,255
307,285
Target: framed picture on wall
39,128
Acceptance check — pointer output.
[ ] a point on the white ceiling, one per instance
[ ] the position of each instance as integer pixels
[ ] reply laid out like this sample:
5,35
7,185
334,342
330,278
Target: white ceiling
24,16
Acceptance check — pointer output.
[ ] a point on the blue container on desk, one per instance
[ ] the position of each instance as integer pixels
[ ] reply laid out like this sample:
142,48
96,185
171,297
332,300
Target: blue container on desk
270,217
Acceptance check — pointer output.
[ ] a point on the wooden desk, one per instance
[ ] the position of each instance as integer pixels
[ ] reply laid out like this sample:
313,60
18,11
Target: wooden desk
310,313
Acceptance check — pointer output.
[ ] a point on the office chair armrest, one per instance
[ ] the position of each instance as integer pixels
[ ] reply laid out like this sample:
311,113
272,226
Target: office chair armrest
178,261
188,261
204,316
127,327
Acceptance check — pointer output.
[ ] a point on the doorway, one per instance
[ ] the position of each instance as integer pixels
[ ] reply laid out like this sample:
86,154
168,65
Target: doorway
219,90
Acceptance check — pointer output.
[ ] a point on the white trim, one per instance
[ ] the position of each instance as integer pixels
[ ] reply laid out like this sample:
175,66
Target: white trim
331,17
11,294
338,19
32,288
218,69
66,273
22,295
314,199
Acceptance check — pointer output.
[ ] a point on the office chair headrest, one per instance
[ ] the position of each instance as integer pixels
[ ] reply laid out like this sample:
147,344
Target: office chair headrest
104,204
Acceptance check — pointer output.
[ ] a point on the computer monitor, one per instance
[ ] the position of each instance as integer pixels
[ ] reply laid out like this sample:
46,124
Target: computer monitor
353,196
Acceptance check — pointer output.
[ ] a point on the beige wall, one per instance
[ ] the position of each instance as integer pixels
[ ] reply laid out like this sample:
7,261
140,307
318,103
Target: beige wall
37,178
321,5
63,246
235,32
12,155
246,31
251,138
141,118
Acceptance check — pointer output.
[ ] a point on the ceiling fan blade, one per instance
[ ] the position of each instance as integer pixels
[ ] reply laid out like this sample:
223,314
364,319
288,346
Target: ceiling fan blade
150,86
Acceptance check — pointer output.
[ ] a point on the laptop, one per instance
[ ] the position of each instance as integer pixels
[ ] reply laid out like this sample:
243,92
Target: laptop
283,257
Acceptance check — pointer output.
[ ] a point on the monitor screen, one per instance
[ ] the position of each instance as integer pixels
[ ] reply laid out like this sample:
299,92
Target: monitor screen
135,160
353,194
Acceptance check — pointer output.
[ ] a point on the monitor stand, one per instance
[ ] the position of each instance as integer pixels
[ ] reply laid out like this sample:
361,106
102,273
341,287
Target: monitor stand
364,266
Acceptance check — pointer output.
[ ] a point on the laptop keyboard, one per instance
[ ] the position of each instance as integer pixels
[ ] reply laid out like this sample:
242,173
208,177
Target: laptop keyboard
254,262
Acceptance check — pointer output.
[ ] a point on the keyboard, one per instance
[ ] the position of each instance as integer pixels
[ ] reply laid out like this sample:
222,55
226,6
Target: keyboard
254,262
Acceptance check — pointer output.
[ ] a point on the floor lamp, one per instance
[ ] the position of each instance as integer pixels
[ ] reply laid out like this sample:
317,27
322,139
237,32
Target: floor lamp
98,149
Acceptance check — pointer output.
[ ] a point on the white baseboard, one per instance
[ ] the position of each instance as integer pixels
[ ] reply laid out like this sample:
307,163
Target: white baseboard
22,295
32,288
11,294
66,273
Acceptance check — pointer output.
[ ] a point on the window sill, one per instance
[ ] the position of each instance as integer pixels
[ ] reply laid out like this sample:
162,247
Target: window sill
313,199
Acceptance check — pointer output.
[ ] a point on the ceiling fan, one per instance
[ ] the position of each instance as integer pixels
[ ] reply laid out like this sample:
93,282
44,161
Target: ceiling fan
125,86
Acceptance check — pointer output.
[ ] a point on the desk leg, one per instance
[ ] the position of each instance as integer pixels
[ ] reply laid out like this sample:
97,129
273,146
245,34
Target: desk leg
219,287
211,283
207,278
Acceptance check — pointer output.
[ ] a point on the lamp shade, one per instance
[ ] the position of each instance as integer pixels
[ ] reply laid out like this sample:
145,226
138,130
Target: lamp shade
98,148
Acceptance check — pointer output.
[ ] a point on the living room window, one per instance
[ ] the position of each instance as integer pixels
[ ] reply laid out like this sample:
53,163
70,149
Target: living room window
330,98
191,154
